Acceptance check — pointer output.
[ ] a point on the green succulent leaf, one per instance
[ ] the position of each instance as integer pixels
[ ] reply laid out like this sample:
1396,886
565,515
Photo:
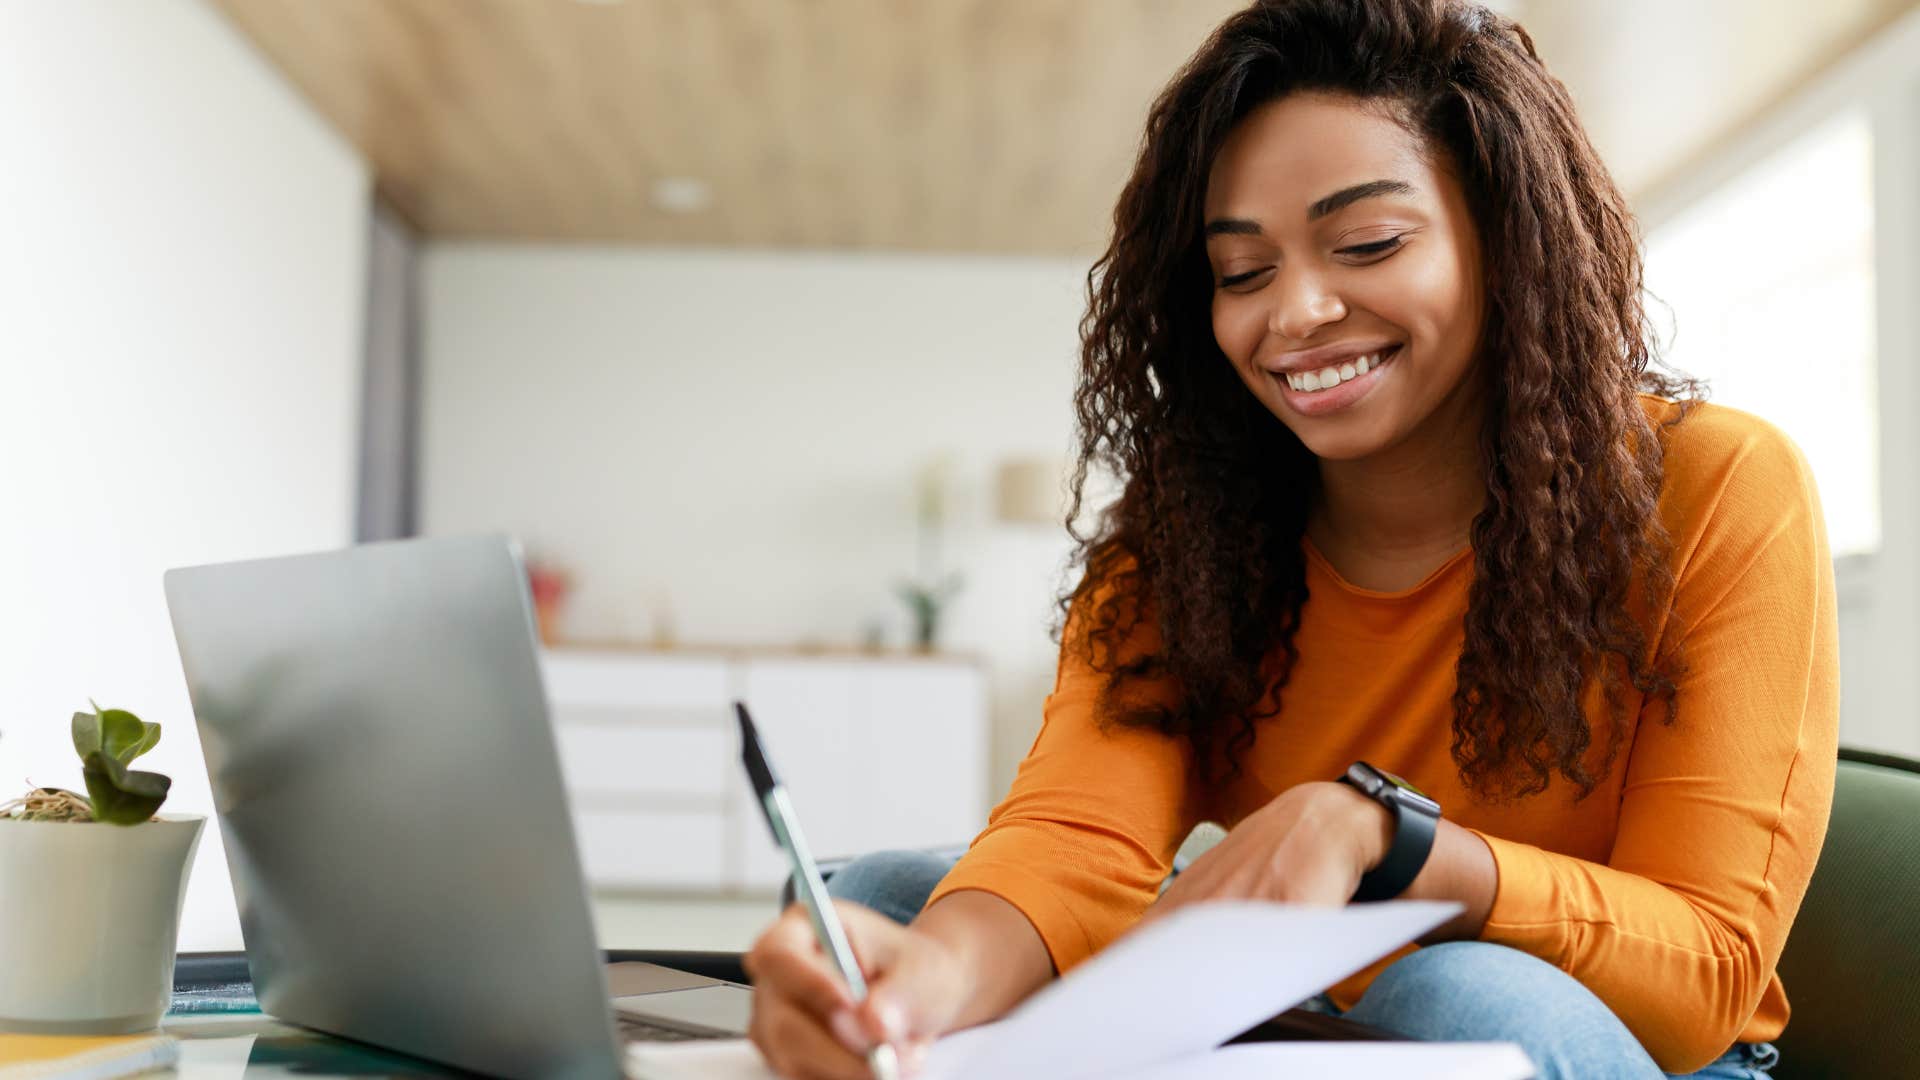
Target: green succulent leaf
122,796
125,736
86,733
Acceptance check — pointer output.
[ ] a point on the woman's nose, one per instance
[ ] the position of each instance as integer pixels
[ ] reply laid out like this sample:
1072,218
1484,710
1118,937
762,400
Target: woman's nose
1302,304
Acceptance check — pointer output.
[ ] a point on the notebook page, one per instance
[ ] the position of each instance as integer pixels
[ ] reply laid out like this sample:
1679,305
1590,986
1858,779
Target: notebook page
1170,990
1188,982
1349,1061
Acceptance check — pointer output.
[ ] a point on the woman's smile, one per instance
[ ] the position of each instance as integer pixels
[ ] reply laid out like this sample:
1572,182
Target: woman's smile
1336,386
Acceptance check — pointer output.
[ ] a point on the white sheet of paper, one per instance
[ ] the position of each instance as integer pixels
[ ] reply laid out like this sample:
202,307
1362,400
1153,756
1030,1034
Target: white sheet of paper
1349,1061
737,1060
1168,991
1192,980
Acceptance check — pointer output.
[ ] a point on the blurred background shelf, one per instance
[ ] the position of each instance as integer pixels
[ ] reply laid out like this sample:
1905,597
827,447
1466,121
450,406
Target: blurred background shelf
882,751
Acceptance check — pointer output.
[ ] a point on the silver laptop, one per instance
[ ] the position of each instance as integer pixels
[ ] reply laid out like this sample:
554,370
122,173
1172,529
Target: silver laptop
390,797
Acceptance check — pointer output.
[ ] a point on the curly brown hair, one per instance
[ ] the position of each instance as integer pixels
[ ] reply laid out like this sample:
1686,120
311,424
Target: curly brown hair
1209,545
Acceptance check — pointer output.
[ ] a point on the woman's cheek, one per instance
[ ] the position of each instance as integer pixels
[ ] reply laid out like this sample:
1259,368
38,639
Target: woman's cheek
1238,329
1425,292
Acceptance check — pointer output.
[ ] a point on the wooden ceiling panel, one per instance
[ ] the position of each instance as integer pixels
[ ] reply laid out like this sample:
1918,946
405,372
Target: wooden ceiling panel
959,125
934,125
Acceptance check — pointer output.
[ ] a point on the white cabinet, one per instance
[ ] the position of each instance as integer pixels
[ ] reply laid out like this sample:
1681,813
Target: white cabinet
653,849
876,752
900,706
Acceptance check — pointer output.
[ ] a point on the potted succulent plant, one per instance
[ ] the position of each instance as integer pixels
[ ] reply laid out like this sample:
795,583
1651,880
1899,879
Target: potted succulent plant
90,890
927,593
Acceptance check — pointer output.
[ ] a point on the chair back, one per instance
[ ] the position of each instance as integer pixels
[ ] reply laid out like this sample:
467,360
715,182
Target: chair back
1852,962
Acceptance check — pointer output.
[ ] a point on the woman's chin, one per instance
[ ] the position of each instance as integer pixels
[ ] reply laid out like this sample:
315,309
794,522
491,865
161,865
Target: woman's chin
1346,439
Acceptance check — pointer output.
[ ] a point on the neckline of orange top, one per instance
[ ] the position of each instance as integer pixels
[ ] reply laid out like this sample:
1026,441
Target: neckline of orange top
1463,557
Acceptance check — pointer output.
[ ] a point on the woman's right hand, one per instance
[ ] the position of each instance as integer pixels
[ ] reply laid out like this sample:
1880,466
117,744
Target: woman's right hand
805,1022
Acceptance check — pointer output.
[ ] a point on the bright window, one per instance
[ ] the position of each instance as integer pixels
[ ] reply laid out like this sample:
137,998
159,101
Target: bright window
1764,288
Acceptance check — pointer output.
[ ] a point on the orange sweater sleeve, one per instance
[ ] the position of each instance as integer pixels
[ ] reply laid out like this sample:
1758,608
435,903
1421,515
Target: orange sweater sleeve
1092,822
1724,810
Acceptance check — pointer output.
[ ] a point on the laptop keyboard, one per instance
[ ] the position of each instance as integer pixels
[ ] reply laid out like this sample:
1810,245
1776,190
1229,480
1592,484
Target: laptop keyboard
635,1029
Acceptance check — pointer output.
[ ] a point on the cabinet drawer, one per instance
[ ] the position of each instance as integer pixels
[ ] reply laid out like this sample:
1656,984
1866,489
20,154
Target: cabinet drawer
677,762
612,680
646,850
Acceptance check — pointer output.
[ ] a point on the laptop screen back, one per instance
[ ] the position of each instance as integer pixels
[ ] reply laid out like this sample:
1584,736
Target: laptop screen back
391,802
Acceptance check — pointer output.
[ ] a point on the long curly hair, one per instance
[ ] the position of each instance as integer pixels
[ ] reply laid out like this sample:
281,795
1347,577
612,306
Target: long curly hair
1205,537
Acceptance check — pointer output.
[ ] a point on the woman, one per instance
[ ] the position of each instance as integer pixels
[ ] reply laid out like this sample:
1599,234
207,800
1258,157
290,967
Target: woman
1368,350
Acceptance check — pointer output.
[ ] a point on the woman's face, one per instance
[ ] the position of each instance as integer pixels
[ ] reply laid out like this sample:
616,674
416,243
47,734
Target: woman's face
1348,288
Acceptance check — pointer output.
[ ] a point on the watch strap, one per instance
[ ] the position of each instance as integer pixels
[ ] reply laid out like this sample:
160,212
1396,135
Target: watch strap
1413,832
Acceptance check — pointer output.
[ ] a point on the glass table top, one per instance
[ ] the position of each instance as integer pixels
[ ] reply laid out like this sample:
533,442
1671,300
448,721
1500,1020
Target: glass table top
252,1044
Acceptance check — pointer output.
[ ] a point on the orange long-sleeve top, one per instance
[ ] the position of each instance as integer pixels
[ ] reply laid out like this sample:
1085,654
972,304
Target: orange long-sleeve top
1668,891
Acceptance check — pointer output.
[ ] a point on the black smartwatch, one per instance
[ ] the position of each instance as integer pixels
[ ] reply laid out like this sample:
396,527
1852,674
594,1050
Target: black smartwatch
1415,819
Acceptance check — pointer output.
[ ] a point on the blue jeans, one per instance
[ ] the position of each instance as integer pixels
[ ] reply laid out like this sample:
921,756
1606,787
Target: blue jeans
1460,991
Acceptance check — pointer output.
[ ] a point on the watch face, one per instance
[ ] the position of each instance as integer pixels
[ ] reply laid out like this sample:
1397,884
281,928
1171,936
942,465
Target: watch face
1402,784
1410,794
1374,781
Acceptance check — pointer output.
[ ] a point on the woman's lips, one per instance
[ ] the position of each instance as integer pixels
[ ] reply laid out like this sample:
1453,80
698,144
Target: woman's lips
1335,398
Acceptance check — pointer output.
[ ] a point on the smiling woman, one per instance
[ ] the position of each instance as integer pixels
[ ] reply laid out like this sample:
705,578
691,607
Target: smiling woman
1390,262
1403,491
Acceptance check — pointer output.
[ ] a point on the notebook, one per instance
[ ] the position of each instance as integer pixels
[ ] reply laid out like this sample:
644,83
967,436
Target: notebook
1158,1004
1246,1061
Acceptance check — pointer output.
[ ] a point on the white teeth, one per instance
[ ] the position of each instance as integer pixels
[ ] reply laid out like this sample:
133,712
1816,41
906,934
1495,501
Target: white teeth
1309,381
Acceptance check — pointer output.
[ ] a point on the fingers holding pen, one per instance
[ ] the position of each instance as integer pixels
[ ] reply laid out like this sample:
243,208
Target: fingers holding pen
795,1045
788,956
806,1021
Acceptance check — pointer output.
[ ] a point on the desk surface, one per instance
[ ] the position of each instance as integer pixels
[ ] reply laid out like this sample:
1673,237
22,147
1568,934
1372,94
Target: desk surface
231,1045
223,1034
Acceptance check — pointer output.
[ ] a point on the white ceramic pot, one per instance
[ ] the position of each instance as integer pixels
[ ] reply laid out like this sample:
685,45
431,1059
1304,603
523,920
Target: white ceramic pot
88,918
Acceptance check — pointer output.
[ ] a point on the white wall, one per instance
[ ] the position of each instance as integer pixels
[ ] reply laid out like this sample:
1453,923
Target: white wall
181,256
1892,630
732,437
1880,588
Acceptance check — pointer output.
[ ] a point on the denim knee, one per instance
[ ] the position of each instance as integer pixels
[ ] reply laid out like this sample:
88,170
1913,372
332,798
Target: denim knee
1471,991
894,883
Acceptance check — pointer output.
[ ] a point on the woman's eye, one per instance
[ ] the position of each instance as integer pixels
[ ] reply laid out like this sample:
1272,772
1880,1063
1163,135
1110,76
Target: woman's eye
1378,247
1231,280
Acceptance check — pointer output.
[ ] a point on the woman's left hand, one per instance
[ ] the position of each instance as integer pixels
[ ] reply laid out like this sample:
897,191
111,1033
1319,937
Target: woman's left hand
1310,845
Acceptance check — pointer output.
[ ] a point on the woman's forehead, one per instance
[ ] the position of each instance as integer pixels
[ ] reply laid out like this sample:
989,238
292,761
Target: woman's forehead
1290,153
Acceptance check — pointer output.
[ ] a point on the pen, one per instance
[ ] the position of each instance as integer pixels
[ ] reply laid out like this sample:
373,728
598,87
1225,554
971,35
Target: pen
806,880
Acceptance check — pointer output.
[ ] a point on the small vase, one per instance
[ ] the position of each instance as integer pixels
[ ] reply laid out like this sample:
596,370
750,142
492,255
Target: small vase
89,916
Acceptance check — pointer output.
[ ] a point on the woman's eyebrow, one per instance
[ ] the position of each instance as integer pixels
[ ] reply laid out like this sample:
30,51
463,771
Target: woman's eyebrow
1347,196
1233,227
1337,201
